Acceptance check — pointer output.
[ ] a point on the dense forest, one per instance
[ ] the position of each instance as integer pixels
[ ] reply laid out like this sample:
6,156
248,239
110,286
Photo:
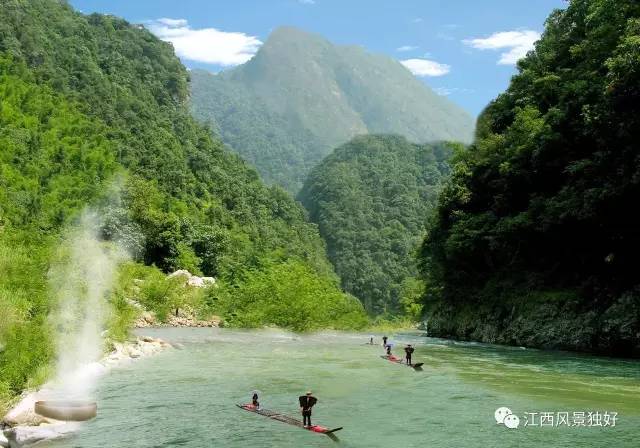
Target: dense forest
535,238
282,151
91,105
525,237
370,199
300,96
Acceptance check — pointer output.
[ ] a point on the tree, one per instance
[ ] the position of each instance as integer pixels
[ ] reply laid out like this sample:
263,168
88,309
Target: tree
538,207
370,199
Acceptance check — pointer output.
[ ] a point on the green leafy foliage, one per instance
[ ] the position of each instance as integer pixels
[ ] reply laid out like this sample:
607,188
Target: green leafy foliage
411,296
150,287
282,152
24,341
543,200
54,158
90,105
301,96
287,295
133,83
370,199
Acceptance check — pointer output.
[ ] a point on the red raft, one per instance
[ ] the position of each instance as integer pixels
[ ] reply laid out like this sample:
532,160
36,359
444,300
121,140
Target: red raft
289,420
394,359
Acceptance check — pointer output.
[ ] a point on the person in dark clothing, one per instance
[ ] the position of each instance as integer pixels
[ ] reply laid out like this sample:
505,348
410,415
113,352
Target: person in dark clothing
306,403
384,341
254,400
388,350
408,351
371,340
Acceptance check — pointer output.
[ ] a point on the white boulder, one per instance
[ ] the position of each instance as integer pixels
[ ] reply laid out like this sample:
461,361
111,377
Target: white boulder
27,428
21,436
196,281
193,280
23,413
180,272
134,303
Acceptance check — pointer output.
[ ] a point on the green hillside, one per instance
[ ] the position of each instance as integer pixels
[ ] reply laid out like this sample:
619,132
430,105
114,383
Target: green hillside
370,198
92,103
282,152
536,233
303,96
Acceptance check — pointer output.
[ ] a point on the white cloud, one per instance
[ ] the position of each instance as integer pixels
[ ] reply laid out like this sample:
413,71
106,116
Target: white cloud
445,91
426,67
517,44
417,20
207,45
172,22
407,48
307,2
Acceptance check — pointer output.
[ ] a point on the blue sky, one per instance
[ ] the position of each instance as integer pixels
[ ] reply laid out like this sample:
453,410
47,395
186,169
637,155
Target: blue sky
464,49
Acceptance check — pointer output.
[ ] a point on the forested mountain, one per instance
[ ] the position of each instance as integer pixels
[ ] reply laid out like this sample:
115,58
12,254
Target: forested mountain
536,236
370,198
92,103
300,96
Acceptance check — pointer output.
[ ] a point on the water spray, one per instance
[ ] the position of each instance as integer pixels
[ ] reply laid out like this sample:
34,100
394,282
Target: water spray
81,281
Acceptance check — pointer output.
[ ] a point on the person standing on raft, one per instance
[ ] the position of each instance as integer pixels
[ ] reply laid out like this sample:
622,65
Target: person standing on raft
254,401
306,403
408,350
388,347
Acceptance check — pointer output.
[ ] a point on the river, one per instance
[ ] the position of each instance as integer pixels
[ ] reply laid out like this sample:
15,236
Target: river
186,398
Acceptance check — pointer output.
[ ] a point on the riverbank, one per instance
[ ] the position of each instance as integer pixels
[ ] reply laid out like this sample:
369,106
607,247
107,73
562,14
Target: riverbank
187,397
21,426
183,318
551,323
391,325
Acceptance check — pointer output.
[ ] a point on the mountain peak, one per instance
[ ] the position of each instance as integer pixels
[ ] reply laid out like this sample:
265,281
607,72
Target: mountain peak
287,39
313,96
292,33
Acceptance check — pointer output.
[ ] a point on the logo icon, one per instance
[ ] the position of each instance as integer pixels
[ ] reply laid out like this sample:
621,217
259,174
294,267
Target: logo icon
501,413
511,421
504,416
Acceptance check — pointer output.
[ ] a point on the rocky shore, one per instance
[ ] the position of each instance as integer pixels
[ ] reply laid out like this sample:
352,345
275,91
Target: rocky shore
22,427
185,316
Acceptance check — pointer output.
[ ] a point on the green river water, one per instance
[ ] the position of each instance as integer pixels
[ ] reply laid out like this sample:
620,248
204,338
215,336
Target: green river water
186,398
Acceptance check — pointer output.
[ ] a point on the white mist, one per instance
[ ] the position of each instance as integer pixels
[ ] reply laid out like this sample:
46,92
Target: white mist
81,280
